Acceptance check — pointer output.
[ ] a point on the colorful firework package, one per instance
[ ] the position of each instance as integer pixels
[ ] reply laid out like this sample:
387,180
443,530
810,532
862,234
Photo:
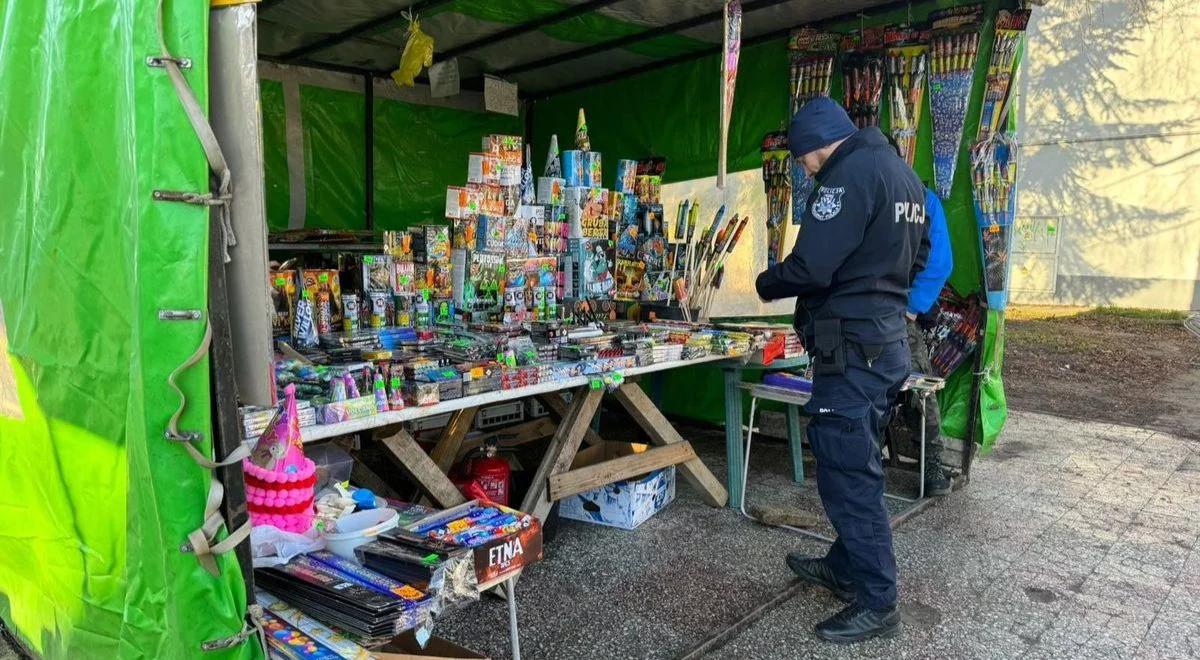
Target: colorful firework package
953,46
993,177
906,63
777,184
862,74
1010,30
955,334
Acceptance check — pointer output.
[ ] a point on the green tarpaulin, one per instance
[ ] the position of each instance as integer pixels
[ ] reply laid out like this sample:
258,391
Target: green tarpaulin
95,503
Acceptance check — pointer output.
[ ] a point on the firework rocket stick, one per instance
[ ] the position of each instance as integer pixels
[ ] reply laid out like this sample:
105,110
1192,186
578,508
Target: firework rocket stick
709,287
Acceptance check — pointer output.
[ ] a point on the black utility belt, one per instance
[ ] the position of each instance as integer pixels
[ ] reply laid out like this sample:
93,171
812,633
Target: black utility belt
830,345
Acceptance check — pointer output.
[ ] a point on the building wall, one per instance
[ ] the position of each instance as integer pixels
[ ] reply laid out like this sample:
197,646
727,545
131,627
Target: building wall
1110,168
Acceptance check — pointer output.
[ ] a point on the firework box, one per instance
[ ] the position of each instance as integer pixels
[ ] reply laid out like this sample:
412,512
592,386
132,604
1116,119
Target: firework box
625,504
456,202
490,233
588,271
500,557
586,212
626,176
550,190
483,168
629,276
575,169
556,231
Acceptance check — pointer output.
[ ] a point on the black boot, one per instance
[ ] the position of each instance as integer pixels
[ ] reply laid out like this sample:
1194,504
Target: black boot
858,624
936,481
816,571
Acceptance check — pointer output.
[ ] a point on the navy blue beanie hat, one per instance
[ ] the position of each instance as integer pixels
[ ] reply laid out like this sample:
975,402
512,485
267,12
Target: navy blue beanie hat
818,123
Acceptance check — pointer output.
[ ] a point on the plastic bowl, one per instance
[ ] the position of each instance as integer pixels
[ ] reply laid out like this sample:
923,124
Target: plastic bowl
359,528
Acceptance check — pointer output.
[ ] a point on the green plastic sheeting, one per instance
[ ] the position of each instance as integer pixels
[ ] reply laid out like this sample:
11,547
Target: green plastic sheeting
95,503
419,150
672,112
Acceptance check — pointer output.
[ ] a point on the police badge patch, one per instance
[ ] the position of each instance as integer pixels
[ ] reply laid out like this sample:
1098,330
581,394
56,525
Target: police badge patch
828,203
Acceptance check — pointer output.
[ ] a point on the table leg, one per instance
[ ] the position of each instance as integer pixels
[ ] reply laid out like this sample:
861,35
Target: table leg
409,456
513,636
562,450
733,434
658,427
795,442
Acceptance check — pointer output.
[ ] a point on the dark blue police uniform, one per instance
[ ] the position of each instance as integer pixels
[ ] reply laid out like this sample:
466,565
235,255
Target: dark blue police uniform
863,237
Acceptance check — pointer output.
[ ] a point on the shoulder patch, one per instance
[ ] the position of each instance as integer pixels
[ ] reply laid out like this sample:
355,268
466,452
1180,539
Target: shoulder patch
828,203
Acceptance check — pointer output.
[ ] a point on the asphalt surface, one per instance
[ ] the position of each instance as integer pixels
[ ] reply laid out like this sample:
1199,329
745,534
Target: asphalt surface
1073,540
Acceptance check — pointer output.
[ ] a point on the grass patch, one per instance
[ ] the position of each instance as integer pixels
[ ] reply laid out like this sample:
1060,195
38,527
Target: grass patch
1134,313
1047,312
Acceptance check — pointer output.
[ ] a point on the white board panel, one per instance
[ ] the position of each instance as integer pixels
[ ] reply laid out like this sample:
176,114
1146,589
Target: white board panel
743,195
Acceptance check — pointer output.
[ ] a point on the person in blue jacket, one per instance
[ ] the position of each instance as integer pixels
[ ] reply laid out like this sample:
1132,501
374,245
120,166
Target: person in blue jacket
863,238
922,311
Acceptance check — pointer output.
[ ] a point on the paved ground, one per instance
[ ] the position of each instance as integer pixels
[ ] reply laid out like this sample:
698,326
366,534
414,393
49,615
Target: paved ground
1074,539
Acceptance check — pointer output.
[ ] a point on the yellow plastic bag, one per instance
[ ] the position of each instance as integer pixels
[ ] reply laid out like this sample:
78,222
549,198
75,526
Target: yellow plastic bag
418,53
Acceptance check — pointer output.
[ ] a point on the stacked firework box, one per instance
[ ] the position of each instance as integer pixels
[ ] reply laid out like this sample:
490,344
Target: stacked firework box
811,74
499,226
953,45
906,64
588,268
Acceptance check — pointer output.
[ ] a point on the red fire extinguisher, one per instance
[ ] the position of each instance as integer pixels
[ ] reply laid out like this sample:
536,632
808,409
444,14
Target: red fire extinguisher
488,474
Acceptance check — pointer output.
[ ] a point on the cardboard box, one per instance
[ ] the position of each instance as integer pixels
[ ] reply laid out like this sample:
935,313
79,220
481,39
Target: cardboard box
502,557
405,647
624,504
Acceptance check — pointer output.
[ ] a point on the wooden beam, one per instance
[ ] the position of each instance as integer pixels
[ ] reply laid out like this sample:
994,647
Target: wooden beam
450,441
583,479
562,449
558,408
413,460
659,428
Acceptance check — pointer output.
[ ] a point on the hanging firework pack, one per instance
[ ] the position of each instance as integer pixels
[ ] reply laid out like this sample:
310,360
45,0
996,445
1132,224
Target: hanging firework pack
777,184
993,177
955,334
862,75
953,45
811,54
1010,30
906,63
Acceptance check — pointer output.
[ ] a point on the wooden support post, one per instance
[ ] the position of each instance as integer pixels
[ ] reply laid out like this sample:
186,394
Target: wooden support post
451,439
409,456
584,479
562,449
558,408
659,428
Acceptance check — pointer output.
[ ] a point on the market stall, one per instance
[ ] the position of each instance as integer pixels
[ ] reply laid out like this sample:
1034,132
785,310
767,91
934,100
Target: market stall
415,266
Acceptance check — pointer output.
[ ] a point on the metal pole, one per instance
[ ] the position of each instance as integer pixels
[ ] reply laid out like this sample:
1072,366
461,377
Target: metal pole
237,122
369,135
510,586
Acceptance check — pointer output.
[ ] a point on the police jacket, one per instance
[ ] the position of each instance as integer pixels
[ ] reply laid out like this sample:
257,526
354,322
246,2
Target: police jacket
863,238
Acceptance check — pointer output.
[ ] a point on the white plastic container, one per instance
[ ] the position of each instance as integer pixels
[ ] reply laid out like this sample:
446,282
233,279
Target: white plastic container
359,528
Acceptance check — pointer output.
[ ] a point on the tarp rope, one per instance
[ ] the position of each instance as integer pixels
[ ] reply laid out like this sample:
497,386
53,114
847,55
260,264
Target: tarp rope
202,541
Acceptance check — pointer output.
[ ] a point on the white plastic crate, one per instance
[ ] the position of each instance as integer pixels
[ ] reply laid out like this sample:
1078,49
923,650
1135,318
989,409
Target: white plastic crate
536,409
500,414
429,423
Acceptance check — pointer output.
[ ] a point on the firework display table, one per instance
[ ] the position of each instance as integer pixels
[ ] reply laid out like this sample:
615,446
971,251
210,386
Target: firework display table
554,479
733,422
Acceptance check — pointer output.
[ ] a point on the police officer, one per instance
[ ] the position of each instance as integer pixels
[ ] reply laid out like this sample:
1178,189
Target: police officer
863,237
